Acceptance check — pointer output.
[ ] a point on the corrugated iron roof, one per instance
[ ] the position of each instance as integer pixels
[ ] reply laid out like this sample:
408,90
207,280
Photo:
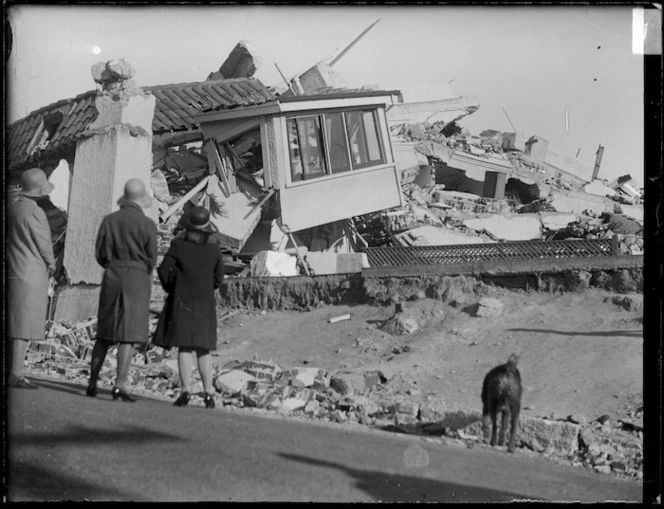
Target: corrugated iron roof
175,105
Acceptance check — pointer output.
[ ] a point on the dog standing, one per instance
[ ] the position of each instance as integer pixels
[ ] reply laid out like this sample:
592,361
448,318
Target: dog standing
501,392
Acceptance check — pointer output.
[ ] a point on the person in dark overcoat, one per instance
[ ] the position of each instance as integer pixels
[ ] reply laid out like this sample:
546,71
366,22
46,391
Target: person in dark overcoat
30,263
190,272
126,247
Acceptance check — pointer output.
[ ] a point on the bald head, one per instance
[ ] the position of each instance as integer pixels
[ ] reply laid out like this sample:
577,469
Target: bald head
135,191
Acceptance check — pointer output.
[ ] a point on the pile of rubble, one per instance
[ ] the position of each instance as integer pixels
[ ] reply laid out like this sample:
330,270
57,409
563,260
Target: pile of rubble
367,398
539,203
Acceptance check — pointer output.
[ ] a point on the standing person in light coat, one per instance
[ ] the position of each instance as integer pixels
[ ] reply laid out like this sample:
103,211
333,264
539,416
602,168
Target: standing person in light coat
126,247
30,263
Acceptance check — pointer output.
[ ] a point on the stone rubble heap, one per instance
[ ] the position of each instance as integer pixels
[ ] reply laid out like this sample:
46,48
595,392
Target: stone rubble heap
449,210
366,398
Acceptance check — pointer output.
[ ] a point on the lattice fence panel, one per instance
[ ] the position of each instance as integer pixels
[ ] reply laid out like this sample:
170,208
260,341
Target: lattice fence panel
470,253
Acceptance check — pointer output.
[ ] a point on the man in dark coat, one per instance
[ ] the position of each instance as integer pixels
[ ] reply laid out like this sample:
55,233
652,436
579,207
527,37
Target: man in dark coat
127,249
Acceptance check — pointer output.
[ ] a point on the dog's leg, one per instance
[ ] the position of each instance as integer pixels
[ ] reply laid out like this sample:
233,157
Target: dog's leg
493,412
486,422
503,426
516,408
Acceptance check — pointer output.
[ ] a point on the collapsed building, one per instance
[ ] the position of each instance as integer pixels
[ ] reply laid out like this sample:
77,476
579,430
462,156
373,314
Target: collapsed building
299,178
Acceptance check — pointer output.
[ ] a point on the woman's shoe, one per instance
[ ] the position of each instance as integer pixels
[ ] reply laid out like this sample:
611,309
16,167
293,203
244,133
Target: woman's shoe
21,383
208,400
92,390
183,400
122,394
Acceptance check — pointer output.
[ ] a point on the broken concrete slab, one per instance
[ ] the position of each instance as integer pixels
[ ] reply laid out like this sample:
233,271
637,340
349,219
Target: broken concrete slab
273,264
406,157
556,220
514,141
236,220
489,306
578,202
293,404
560,435
233,382
507,228
348,383
336,263
598,188
435,150
572,168
536,148
242,62
442,110
320,77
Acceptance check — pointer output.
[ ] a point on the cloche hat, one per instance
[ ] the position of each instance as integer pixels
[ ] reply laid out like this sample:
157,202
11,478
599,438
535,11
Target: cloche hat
134,190
34,183
198,219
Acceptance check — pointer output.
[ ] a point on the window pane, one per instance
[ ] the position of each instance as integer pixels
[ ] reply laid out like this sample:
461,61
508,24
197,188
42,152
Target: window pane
311,143
371,131
336,143
358,148
294,150
363,138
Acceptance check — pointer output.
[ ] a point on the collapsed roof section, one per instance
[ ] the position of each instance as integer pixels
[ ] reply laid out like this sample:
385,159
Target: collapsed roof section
50,133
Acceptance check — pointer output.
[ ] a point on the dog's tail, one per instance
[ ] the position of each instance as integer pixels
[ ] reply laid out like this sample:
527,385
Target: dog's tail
513,360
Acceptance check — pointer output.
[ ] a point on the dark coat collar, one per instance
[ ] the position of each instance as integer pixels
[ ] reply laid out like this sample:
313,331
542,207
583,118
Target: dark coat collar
131,205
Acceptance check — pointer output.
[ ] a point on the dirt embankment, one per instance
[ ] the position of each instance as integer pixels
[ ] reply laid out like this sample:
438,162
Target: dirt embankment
303,293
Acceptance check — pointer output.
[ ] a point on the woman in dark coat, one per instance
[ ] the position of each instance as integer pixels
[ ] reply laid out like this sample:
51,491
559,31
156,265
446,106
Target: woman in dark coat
191,271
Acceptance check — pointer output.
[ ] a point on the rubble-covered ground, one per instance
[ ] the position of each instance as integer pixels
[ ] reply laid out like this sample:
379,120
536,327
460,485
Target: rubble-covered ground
417,367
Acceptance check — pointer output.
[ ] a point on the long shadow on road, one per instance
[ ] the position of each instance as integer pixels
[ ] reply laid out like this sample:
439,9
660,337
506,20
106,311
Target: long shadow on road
30,482
386,487
31,477
608,333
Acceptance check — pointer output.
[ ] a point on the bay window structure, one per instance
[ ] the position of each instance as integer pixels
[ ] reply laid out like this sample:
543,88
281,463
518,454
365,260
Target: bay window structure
326,157
333,143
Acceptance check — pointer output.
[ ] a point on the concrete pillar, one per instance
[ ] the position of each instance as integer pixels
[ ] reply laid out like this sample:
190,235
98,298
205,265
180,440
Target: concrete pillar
115,147
536,148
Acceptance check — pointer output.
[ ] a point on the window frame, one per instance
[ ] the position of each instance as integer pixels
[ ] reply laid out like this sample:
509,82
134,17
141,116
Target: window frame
321,115
369,164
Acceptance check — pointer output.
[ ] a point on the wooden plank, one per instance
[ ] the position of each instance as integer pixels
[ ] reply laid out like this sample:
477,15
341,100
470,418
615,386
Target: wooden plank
216,162
180,203
299,255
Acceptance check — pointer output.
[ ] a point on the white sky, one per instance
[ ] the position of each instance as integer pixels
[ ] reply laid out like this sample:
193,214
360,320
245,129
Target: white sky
535,62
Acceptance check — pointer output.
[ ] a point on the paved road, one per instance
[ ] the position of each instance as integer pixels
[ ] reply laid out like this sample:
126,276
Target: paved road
65,446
